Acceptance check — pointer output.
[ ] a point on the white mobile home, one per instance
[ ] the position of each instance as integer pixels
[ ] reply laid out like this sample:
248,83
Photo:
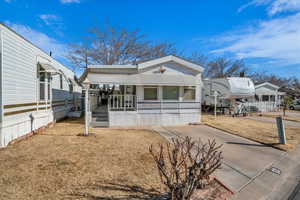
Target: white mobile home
163,91
268,92
35,89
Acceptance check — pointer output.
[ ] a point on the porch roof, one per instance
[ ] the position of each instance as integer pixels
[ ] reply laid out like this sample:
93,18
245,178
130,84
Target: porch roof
143,79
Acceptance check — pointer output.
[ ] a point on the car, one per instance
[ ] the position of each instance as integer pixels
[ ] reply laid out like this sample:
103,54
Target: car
295,105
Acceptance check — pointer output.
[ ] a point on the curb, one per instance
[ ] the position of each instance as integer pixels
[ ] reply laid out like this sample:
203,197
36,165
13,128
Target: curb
223,185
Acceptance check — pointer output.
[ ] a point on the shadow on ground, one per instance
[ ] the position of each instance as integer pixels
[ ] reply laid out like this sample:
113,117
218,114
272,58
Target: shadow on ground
125,192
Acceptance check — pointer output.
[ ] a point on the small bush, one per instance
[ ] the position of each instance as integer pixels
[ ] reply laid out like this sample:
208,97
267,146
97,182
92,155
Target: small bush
185,165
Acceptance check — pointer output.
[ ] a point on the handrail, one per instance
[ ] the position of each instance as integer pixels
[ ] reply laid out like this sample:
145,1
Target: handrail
131,103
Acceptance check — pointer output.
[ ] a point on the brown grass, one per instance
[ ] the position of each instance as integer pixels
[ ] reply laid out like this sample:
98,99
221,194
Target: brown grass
113,164
287,117
57,164
262,132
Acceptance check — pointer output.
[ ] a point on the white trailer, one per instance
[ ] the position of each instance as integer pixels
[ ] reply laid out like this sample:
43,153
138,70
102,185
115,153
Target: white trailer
228,91
35,89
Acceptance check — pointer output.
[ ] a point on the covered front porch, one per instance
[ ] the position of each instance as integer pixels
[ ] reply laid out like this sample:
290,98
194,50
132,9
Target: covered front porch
142,105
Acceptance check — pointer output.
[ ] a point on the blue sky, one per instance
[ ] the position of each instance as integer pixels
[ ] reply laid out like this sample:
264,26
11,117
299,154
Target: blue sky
265,33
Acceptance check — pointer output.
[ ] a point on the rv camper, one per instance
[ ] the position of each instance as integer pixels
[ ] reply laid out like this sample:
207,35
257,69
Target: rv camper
35,89
226,92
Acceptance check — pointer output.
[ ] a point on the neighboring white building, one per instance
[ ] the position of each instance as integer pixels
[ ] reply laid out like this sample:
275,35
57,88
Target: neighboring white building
35,89
268,92
163,91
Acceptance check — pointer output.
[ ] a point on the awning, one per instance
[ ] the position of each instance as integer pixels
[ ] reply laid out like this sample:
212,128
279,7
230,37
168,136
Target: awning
48,68
143,79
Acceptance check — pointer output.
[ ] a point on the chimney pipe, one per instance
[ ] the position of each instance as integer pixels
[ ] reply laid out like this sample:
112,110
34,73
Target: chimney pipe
242,74
50,53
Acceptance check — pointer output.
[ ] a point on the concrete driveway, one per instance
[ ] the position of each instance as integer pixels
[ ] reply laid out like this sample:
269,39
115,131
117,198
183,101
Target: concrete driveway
243,159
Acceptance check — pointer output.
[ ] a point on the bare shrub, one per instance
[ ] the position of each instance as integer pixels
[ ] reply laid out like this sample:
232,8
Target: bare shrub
185,165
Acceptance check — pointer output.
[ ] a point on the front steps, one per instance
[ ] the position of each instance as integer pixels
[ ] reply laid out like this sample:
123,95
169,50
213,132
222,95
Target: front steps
100,119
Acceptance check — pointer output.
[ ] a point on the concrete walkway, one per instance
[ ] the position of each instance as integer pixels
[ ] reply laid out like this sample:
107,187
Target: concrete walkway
244,160
273,120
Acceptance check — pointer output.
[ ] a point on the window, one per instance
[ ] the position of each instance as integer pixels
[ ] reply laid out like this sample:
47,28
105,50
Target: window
170,93
48,86
150,93
189,93
61,81
42,85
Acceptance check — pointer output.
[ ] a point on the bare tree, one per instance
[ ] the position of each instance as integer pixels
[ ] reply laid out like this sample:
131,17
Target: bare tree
79,55
185,165
112,45
260,77
198,58
223,67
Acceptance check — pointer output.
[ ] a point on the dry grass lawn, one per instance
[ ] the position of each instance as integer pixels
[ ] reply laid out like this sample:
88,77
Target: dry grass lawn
262,132
111,165
57,164
288,116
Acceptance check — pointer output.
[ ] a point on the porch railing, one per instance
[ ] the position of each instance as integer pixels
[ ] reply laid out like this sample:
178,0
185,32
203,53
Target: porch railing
122,102
131,103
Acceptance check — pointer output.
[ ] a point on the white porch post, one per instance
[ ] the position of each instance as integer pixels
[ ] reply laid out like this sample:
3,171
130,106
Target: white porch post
86,84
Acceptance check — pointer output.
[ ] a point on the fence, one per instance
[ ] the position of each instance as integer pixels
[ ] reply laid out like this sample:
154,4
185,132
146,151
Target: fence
261,106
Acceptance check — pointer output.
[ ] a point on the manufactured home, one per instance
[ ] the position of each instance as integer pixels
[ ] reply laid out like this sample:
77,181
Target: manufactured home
267,97
36,90
268,92
227,91
163,91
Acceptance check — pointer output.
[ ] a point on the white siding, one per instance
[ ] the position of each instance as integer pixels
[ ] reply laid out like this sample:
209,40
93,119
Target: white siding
20,86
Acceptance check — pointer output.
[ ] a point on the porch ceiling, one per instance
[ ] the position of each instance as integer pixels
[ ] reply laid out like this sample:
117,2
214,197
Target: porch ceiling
143,79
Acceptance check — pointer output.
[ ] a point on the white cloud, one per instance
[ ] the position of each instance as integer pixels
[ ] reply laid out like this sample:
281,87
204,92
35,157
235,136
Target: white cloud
254,3
274,6
284,5
69,1
275,39
49,19
40,39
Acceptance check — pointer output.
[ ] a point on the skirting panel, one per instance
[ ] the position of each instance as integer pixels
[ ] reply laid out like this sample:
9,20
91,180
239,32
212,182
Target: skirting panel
152,119
19,126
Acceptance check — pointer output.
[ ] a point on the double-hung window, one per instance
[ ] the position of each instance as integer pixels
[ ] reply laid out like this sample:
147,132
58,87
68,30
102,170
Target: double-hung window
42,86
